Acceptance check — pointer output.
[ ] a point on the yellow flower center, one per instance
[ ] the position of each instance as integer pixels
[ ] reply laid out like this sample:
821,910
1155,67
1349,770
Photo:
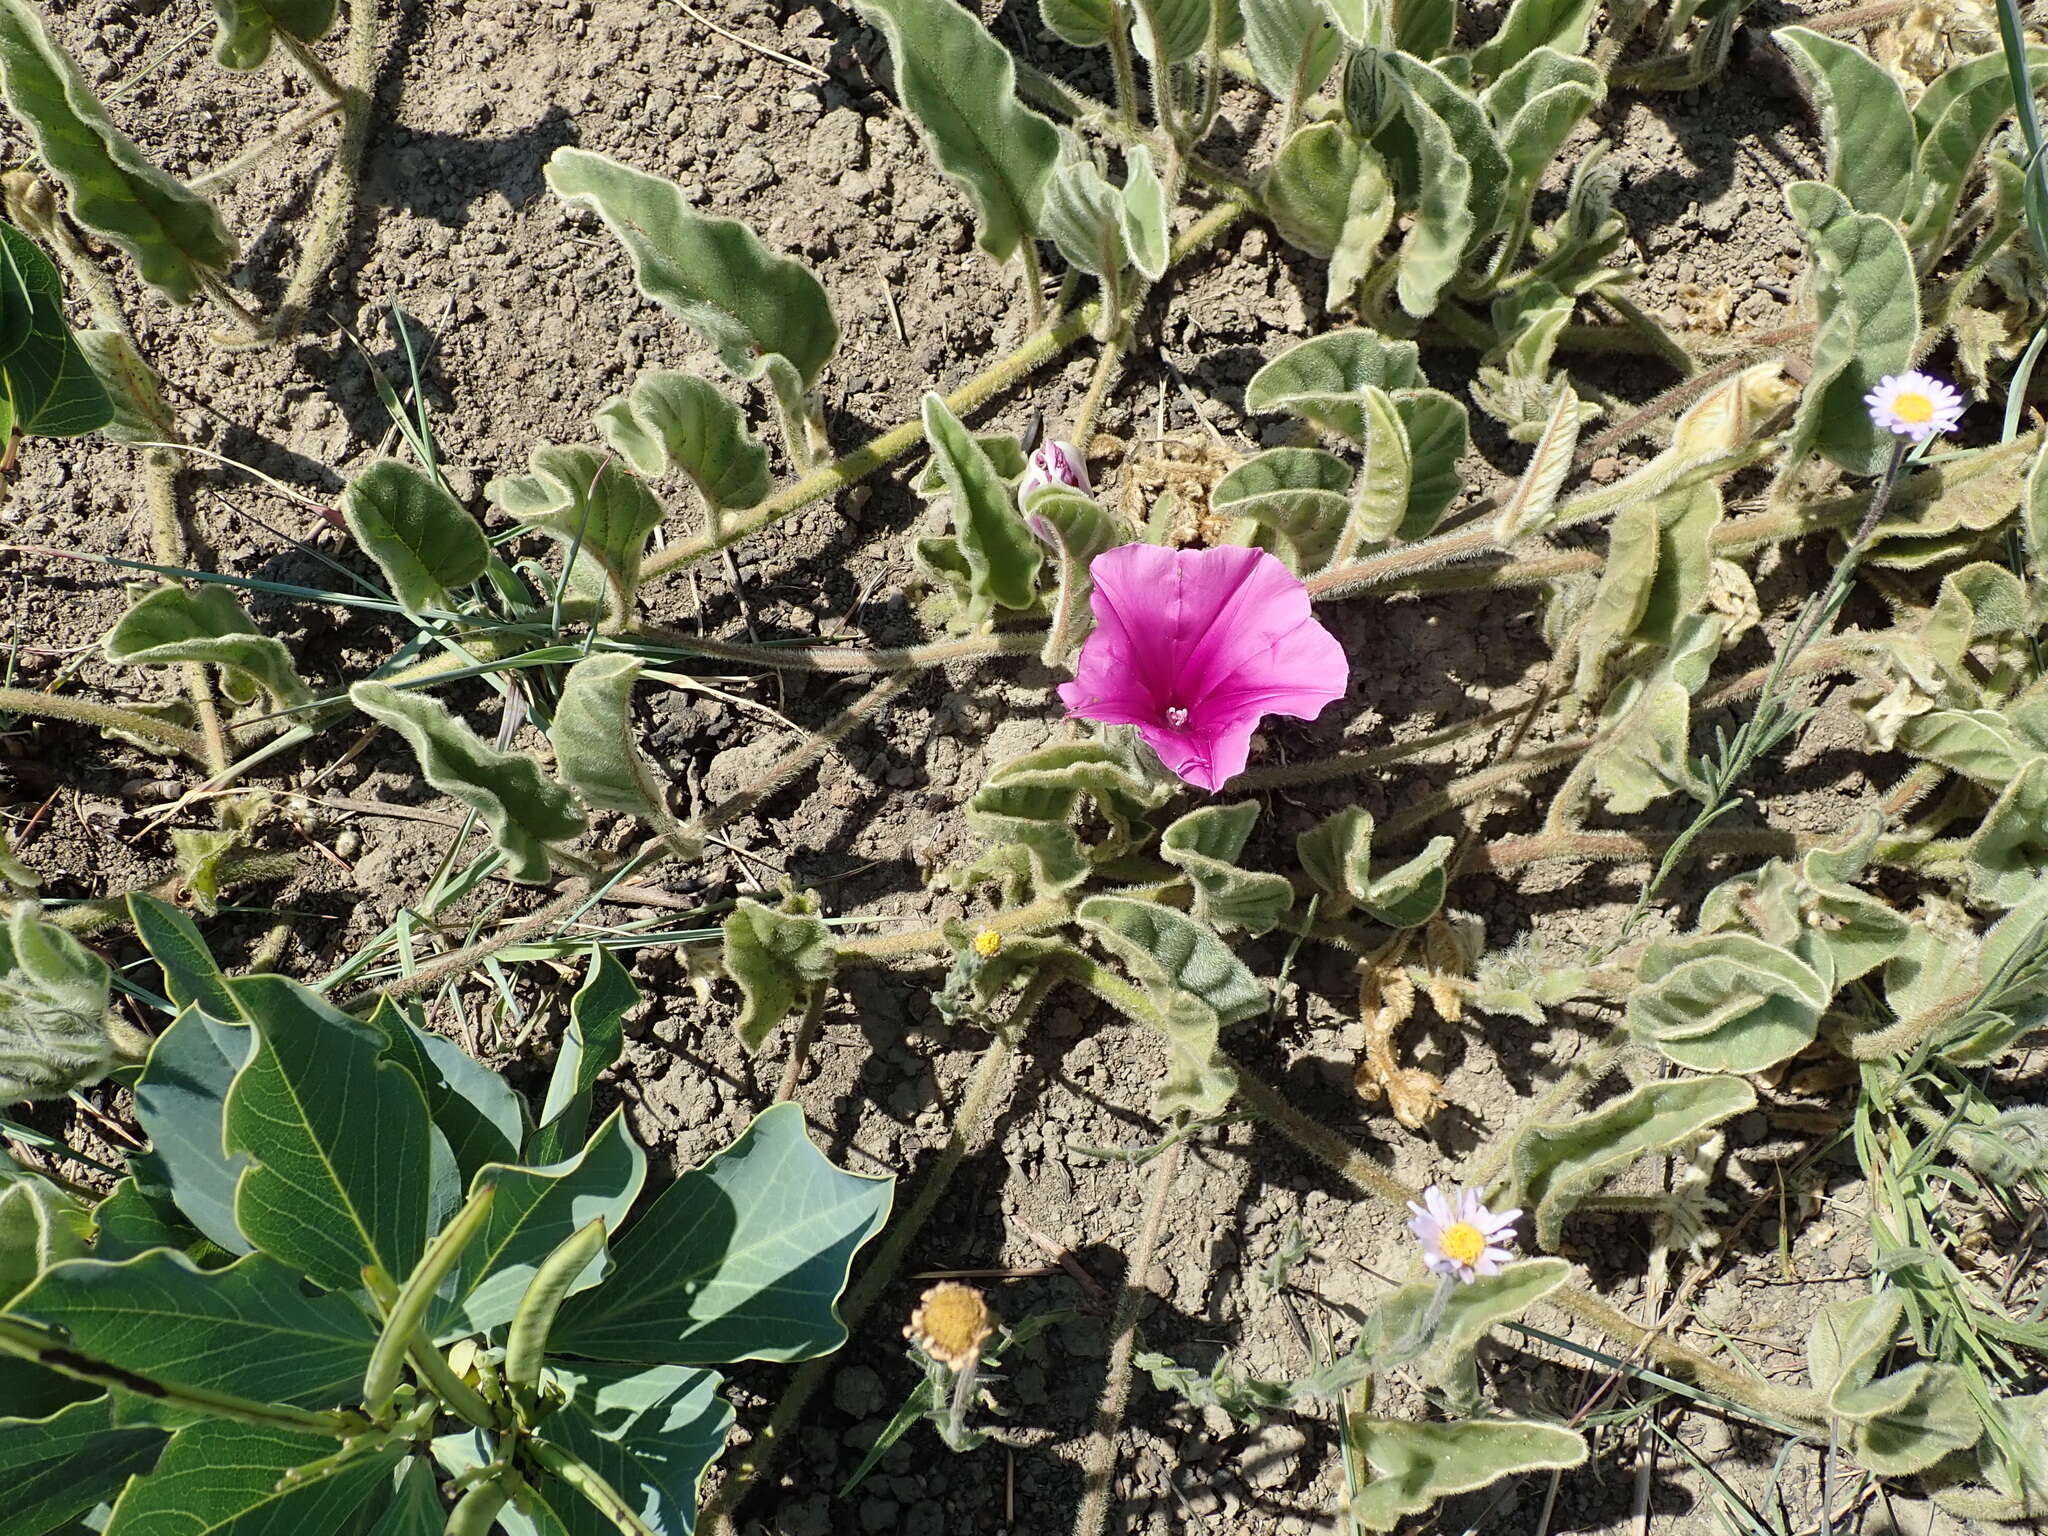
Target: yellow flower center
1912,407
988,943
1463,1242
951,1323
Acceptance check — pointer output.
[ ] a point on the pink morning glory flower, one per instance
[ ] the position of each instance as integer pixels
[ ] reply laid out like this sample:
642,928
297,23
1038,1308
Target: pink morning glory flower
1915,405
1053,463
1194,647
1460,1237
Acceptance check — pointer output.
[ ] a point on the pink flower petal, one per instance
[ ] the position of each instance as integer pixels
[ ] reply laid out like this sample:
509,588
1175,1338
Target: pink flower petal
1194,647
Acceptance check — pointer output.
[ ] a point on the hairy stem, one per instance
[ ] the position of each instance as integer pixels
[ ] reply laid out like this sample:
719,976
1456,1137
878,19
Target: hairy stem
1098,1466
1121,66
899,440
795,761
847,659
337,197
105,717
457,962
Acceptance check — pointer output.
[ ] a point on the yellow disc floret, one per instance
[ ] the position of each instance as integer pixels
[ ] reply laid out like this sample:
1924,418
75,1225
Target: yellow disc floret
1463,1243
951,1323
988,943
1912,407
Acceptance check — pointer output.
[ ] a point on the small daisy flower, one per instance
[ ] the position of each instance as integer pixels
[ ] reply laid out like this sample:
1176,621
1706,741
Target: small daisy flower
1460,1237
1053,463
988,943
951,1323
1915,405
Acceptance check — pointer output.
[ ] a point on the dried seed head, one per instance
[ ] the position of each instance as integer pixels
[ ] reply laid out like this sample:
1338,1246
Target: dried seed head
951,1323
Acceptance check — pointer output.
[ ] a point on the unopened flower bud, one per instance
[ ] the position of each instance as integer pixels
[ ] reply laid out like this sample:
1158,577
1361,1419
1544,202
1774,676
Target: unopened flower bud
1053,463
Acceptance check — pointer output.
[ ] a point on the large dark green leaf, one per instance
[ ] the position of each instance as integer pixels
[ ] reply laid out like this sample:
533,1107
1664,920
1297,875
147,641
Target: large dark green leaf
651,1434
740,1259
595,1038
181,1103
192,977
478,1112
50,387
57,1468
250,1330
532,1213
339,1137
222,1478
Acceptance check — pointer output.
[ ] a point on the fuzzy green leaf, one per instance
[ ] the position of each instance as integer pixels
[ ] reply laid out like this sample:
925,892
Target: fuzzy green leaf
1439,177
1897,1424
419,535
1980,744
1416,1465
2010,847
1196,983
1205,845
40,1228
248,27
1082,214
587,502
1863,119
1444,1352
1954,118
1621,599
173,235
776,957
1558,1166
1292,45
524,809
50,386
1533,24
1869,317
250,1330
1081,23
1528,509
676,420
1002,558
1686,520
53,1010
960,86
1725,1002
1319,380
1456,105
322,1195
598,751
134,389
1437,431
1300,496
1534,106
1327,192
1146,218
1379,500
1076,529
714,274
742,1258
1183,28
1336,855
207,625
1646,724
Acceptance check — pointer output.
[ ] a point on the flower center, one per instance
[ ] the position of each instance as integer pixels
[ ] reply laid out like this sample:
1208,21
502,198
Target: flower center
1176,716
1463,1242
1912,407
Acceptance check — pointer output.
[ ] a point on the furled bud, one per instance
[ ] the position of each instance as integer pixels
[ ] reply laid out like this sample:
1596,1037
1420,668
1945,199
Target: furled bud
1368,95
1053,463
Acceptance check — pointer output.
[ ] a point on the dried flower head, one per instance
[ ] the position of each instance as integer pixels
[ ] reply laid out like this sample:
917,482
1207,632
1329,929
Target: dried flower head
1460,1237
951,1323
1915,405
1194,647
988,943
1053,463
